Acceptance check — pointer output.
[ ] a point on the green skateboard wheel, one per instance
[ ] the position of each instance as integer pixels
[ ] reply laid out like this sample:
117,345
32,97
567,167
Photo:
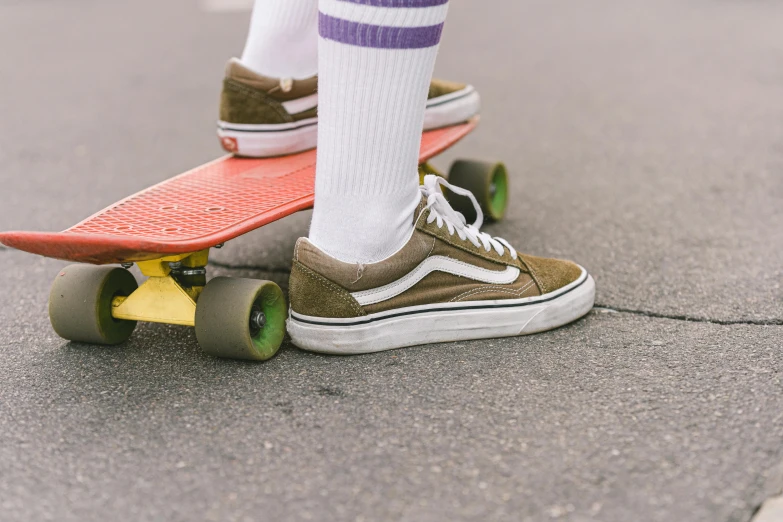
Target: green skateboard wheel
240,318
488,182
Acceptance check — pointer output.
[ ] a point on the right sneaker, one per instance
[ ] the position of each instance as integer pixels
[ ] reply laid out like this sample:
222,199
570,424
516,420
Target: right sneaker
262,116
450,282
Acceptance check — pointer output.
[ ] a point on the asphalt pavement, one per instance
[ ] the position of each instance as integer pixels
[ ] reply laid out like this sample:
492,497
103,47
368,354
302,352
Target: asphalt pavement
644,141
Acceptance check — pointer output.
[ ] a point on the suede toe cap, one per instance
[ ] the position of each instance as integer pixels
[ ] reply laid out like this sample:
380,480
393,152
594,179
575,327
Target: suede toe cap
551,274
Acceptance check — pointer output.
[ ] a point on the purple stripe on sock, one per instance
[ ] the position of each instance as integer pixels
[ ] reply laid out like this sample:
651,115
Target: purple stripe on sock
398,3
378,36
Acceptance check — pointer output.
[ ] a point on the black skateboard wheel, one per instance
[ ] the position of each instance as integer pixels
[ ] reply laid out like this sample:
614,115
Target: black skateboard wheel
488,182
80,303
240,318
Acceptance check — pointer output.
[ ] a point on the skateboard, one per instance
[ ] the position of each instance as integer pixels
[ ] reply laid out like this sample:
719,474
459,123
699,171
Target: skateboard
168,230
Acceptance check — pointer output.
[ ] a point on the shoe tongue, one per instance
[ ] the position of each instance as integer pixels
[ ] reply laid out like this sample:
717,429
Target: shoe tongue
420,208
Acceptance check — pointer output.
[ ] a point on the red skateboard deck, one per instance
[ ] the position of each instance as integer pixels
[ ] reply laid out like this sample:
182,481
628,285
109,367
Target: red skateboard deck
199,209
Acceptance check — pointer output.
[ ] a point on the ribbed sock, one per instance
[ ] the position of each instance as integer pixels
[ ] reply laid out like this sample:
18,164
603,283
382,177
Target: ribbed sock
283,39
375,61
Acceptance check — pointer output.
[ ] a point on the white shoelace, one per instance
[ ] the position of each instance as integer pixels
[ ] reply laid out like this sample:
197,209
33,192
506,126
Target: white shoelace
441,211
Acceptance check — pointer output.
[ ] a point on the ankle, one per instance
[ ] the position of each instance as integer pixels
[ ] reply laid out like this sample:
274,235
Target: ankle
365,230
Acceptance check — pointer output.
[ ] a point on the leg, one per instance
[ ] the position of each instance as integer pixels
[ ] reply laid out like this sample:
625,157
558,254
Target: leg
283,39
268,106
389,264
375,67
269,101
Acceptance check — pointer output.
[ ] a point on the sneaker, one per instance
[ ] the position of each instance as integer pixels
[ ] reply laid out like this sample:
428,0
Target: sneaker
450,282
262,116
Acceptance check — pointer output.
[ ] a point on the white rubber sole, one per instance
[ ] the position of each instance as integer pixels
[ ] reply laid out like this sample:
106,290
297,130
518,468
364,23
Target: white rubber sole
443,322
262,141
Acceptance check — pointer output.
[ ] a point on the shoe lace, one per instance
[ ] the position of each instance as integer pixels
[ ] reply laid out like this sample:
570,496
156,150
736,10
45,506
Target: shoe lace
442,213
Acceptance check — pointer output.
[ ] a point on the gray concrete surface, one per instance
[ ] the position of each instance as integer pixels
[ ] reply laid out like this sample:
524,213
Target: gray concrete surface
644,140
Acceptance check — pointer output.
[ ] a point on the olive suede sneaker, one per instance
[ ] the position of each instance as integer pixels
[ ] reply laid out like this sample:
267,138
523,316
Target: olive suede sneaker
450,282
262,116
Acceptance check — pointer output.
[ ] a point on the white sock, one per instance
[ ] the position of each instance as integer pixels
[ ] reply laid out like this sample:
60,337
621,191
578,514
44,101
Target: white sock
375,66
283,39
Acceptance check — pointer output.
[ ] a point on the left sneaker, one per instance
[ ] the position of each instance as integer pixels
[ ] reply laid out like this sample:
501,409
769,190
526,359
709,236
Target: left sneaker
262,116
449,282
449,103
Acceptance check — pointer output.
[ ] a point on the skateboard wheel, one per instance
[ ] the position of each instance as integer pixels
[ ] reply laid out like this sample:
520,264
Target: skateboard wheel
241,318
80,303
488,182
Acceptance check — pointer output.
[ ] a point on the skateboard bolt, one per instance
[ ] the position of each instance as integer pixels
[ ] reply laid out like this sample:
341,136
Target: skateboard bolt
126,266
257,320
176,265
219,245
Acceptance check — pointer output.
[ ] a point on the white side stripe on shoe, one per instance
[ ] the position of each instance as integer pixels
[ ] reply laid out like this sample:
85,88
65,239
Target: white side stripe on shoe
429,265
302,104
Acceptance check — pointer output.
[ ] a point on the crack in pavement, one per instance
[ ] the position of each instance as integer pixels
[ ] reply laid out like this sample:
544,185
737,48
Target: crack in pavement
690,318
